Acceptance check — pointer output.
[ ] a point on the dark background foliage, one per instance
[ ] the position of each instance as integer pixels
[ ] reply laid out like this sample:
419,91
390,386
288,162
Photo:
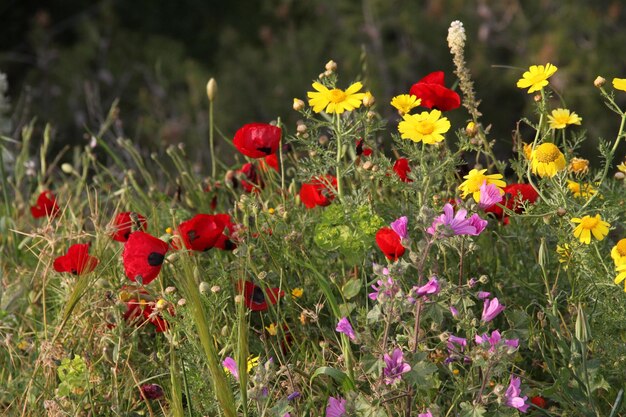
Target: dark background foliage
68,60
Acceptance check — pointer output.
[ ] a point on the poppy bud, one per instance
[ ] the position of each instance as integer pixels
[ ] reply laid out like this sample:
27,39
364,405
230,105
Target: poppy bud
298,105
181,302
599,82
211,89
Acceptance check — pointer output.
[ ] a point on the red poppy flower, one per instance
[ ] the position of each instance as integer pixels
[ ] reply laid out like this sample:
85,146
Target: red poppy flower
539,401
226,242
361,149
249,178
270,161
389,243
123,225
257,140
140,311
201,232
402,169
434,94
255,298
317,192
77,260
143,256
514,197
46,205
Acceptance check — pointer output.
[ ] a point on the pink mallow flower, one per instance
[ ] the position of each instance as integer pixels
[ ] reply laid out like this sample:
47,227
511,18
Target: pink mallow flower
431,287
494,341
491,309
336,407
395,366
400,227
450,224
426,414
345,327
512,396
489,195
230,365
385,290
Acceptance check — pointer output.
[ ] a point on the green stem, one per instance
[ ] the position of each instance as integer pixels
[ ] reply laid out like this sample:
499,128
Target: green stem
211,143
338,134
530,180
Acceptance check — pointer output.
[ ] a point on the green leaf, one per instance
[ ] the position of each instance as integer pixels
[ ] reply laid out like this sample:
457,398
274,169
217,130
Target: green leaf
471,410
351,288
340,377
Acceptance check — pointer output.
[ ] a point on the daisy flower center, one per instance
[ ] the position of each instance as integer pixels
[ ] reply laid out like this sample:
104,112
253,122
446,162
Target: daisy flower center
425,127
336,95
547,153
621,247
589,222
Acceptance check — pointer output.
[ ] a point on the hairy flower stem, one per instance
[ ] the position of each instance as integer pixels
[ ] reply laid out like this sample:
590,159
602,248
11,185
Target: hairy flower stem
537,135
479,396
211,141
338,135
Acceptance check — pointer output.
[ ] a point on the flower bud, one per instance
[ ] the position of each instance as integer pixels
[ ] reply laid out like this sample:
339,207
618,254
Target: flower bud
323,140
471,129
161,304
170,290
211,89
298,104
582,331
331,66
204,287
215,289
368,100
367,165
619,176
181,302
561,212
67,168
301,128
599,82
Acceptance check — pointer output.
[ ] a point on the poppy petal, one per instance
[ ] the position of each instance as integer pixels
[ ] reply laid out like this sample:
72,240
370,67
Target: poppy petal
143,256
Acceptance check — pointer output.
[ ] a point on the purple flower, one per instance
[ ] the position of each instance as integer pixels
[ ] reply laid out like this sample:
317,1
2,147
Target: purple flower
489,195
286,415
454,311
394,366
426,414
456,224
399,226
431,287
472,282
231,366
491,309
455,340
152,391
483,294
293,396
478,223
494,340
344,327
385,289
512,395
336,407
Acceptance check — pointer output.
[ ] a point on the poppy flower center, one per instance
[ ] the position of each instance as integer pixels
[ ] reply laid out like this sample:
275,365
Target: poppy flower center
621,247
425,127
589,222
155,259
336,95
547,152
258,296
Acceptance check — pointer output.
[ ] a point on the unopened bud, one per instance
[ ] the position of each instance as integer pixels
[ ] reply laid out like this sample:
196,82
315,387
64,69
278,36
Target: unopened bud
328,73
204,287
582,331
323,140
367,165
182,302
170,290
471,129
301,128
215,289
211,89
298,104
67,168
599,82
161,304
537,97
561,212
368,100
619,176
331,66
238,298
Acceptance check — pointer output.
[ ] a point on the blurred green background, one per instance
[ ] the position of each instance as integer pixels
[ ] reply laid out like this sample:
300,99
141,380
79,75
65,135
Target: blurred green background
68,60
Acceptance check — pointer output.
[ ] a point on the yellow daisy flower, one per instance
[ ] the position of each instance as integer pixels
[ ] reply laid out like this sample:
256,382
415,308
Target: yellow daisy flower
565,254
560,118
405,102
527,149
536,77
580,190
619,84
253,361
618,253
428,127
546,160
578,166
590,225
335,100
475,179
297,292
622,167
272,329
